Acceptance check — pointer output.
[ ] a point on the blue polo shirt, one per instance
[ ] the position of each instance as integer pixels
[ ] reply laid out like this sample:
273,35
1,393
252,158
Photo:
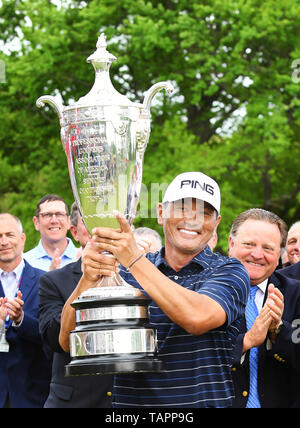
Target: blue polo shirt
197,369
39,258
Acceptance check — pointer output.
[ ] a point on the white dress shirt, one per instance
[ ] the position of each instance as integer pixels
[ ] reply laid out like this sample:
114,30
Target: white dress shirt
10,283
10,280
260,294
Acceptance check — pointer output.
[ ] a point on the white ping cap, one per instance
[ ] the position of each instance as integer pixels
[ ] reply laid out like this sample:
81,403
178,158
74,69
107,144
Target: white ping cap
194,185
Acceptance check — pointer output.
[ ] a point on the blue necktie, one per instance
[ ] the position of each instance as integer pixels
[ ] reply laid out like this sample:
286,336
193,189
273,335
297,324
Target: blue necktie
251,315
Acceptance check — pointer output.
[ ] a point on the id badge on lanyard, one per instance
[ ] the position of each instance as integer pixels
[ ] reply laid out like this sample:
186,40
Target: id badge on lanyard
4,346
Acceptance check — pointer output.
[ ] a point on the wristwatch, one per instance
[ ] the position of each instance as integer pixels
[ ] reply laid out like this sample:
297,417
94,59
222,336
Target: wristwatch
275,332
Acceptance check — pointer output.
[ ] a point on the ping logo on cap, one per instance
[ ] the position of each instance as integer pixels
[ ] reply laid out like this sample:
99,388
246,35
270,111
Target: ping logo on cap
195,183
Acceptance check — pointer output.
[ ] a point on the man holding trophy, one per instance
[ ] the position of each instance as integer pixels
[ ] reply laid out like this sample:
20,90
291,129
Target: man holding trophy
197,299
166,324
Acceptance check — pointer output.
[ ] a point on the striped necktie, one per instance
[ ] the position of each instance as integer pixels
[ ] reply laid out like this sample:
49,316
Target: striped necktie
251,315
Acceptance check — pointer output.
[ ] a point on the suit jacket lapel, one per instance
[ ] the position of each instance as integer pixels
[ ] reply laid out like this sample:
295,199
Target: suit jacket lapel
27,281
1,290
272,280
77,272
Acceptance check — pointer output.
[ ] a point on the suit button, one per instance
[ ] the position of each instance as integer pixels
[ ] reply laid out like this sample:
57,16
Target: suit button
233,369
245,393
109,393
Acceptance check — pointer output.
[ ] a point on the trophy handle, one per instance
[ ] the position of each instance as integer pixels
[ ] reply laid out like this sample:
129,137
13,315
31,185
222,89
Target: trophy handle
153,91
57,105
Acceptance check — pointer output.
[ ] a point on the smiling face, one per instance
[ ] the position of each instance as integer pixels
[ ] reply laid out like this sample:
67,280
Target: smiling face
293,244
256,245
12,242
53,228
188,226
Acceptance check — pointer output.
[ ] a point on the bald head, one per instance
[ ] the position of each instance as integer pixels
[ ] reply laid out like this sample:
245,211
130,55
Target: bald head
5,216
293,243
12,241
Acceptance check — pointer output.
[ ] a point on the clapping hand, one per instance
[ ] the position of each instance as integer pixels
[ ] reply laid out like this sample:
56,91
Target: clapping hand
3,310
56,260
14,308
275,303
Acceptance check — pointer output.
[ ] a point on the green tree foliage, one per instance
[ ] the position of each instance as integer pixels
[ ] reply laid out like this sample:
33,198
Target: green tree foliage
235,114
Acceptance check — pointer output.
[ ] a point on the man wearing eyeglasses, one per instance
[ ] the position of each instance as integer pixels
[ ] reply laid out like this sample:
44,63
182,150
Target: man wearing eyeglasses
52,220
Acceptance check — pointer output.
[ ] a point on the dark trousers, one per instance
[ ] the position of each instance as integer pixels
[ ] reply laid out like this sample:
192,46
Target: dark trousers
7,404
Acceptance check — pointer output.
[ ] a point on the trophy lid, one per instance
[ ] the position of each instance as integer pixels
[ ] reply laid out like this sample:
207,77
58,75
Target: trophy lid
101,55
103,92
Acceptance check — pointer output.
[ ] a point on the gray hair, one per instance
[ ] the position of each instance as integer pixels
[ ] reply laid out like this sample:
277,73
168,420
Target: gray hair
17,220
261,215
147,231
74,213
297,223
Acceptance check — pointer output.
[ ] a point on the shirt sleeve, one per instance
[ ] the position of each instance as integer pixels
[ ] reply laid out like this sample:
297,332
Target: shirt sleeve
229,286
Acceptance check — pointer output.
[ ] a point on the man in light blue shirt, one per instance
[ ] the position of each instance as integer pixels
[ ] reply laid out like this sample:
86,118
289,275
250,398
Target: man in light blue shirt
54,250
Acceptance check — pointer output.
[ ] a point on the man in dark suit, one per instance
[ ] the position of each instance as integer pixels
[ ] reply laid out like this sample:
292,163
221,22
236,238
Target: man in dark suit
270,376
293,244
292,271
25,366
55,289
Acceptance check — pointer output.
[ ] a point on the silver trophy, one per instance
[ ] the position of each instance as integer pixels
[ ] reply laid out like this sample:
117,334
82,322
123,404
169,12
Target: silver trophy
104,136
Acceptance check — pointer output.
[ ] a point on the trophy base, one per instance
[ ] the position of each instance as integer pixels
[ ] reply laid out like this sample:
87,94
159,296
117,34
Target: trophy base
112,334
105,366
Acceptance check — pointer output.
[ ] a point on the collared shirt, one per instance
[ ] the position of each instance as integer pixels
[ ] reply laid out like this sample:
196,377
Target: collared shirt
260,294
10,280
197,368
39,258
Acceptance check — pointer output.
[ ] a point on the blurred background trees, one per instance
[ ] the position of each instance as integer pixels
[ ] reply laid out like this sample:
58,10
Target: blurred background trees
234,115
